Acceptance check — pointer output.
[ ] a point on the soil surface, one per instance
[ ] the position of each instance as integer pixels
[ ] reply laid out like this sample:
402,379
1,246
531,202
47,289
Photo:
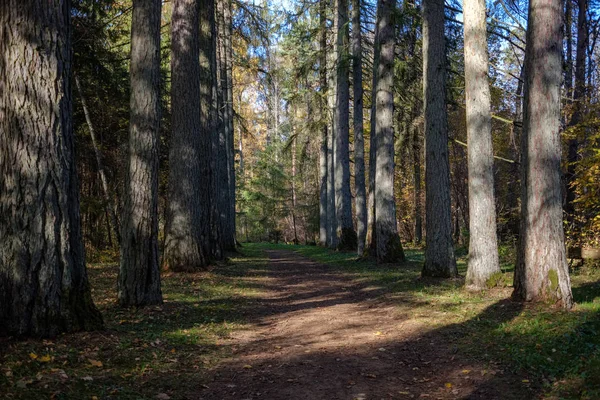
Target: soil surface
320,334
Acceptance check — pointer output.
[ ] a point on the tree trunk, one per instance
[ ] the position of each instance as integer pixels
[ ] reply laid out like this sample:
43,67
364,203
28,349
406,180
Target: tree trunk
189,153
209,118
359,141
541,272
139,275
483,242
389,248
371,239
294,191
323,217
417,183
225,201
439,254
569,48
230,131
44,288
343,196
101,172
331,96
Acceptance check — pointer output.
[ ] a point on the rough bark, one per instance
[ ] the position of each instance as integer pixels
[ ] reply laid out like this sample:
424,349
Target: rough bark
139,275
483,241
225,201
331,96
389,248
323,220
541,272
44,288
371,239
439,254
189,152
105,192
209,118
359,141
343,196
230,143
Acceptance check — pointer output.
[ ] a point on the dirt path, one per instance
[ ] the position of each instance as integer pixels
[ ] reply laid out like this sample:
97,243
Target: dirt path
318,334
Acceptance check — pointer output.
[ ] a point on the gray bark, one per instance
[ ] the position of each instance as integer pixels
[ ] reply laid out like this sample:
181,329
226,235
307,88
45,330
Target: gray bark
483,242
139,275
189,154
209,117
359,141
439,254
230,131
371,239
44,288
323,217
225,200
389,248
343,196
331,96
541,272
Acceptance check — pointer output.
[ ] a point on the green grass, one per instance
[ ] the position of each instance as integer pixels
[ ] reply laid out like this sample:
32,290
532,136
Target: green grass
557,350
141,352
169,348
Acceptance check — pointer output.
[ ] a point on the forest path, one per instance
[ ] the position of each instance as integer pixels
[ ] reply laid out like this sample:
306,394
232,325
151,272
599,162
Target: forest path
319,333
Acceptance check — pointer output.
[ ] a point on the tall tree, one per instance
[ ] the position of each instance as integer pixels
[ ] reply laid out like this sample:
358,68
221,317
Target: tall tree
323,217
139,275
188,209
331,101
343,196
44,288
359,141
371,240
389,248
225,128
209,118
439,254
483,242
541,271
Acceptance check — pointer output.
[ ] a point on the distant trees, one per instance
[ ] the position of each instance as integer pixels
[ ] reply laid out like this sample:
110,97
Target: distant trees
139,275
541,271
44,288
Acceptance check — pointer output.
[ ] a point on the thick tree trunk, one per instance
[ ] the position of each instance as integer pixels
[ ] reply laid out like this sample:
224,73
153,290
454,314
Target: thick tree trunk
209,118
541,272
389,248
139,275
293,187
343,196
417,183
439,254
189,154
114,222
44,288
359,141
323,218
483,241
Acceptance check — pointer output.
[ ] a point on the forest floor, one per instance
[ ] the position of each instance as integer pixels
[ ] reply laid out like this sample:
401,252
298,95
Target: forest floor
301,322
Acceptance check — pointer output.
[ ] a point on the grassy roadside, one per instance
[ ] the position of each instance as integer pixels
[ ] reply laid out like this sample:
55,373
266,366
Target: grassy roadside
557,351
141,353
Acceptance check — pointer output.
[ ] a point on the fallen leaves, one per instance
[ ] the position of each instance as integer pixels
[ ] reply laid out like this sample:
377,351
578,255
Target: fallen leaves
95,363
